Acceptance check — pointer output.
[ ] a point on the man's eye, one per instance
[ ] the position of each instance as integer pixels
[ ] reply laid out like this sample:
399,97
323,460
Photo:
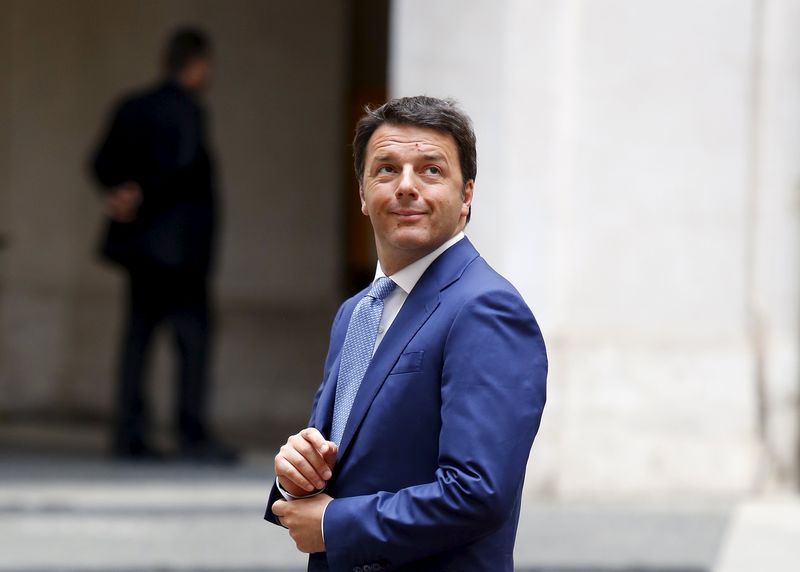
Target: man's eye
433,170
385,169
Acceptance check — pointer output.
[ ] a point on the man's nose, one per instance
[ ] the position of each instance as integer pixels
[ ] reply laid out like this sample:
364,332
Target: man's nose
407,186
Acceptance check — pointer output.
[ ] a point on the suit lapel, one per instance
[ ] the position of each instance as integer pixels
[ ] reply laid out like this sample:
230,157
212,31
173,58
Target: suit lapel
324,409
418,307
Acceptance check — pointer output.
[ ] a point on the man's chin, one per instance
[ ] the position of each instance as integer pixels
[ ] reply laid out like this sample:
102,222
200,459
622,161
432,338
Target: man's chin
409,238
414,240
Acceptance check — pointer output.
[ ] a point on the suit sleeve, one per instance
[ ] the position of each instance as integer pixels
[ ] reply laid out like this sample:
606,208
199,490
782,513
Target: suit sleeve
493,394
331,357
275,494
112,162
151,143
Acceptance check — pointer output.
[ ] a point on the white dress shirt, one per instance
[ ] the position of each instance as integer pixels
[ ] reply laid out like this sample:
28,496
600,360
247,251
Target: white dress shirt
405,279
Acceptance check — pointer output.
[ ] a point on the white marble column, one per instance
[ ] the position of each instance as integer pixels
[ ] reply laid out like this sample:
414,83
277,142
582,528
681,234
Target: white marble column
637,169
775,220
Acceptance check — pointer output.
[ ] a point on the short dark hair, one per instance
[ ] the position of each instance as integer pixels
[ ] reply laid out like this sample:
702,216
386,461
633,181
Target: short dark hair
185,45
420,111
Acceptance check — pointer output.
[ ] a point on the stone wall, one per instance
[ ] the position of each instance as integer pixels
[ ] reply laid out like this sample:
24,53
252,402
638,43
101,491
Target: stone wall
277,117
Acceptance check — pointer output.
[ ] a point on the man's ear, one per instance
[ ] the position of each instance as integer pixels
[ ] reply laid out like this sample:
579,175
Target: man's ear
466,197
364,210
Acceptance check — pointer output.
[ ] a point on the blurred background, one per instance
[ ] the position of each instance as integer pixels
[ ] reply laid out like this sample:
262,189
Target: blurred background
638,178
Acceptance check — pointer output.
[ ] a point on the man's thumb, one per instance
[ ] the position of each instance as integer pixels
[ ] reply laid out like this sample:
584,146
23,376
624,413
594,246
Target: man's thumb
330,454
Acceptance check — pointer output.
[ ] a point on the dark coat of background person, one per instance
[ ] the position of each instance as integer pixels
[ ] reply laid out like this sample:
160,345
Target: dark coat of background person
157,139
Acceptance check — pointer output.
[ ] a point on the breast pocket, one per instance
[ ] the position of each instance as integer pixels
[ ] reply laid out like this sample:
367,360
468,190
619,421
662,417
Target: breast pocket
408,362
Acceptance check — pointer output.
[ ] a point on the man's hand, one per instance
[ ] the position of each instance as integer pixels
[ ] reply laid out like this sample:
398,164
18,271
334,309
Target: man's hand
305,462
122,202
303,518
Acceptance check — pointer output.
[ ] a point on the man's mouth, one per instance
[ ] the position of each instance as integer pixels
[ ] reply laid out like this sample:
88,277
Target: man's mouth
408,213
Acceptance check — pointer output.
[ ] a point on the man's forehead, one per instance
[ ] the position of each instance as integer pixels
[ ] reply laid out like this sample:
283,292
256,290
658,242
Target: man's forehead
390,138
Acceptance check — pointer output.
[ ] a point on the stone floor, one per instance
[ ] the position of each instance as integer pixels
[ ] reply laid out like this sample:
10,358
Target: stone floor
73,510
72,513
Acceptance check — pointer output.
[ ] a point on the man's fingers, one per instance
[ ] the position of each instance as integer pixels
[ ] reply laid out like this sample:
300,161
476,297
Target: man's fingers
285,469
306,460
313,436
330,455
132,197
311,454
304,467
120,208
279,507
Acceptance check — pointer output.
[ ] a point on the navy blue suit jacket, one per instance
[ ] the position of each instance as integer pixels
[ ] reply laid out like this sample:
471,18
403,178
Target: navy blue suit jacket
431,464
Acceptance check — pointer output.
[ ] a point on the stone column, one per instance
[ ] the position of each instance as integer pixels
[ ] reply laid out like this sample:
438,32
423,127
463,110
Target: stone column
775,235
637,163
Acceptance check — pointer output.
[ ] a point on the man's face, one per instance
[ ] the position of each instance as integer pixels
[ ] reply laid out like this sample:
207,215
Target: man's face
197,74
412,190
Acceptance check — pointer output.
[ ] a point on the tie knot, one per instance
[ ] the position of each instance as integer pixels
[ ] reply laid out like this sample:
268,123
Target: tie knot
381,288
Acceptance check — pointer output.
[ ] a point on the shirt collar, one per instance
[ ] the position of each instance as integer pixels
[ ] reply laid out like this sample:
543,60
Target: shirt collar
407,277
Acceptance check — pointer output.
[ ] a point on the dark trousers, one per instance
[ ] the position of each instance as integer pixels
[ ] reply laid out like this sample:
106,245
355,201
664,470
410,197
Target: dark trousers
180,301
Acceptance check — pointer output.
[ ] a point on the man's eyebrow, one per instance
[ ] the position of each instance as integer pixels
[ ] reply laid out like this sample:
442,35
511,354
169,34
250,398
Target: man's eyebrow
436,157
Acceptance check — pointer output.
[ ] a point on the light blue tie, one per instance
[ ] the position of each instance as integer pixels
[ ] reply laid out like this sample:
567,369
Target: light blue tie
357,352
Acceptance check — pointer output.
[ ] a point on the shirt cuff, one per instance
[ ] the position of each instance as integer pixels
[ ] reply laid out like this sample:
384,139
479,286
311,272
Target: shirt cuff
291,497
322,524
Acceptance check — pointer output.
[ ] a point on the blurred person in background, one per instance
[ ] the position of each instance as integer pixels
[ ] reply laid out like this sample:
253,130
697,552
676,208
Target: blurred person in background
434,385
157,175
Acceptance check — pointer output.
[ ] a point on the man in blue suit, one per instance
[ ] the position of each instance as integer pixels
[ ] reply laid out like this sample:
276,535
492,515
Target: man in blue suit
434,384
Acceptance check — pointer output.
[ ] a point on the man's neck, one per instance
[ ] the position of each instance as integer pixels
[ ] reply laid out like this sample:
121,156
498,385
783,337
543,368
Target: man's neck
393,262
181,84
